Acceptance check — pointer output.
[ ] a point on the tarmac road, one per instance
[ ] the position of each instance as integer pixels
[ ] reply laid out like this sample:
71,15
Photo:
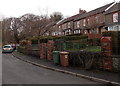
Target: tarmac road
15,71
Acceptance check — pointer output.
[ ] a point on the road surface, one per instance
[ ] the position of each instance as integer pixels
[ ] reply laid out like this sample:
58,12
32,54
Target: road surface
15,71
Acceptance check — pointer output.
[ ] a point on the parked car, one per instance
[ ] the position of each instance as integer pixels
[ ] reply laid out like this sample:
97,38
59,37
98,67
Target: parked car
7,49
14,46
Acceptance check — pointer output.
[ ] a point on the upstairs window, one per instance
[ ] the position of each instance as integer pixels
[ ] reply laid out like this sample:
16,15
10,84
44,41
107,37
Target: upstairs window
96,19
78,24
64,26
68,24
88,21
115,17
84,22
59,27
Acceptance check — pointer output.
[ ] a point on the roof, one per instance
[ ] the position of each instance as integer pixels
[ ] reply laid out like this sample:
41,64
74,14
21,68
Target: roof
114,8
69,19
51,24
61,21
95,11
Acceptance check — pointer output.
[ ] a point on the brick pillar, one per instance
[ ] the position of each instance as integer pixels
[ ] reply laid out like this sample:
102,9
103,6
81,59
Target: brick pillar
29,44
50,46
43,50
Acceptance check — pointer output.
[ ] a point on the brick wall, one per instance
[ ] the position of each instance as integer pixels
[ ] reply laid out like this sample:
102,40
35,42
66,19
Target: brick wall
94,36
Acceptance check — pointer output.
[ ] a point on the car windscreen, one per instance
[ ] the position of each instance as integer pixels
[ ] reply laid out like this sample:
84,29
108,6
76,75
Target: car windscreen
6,47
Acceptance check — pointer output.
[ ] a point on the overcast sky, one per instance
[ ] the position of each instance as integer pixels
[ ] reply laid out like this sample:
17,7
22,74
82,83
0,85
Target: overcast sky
16,8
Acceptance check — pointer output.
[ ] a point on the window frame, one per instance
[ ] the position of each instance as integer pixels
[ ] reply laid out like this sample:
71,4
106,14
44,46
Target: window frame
114,16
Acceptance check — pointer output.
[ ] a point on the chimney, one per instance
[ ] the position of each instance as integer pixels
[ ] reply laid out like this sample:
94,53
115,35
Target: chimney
81,11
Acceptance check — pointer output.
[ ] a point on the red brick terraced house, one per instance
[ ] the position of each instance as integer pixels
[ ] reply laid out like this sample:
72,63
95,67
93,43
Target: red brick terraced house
52,29
67,25
60,26
112,17
92,22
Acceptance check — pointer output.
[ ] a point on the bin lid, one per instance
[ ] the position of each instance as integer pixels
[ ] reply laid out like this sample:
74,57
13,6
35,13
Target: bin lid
64,52
56,51
106,38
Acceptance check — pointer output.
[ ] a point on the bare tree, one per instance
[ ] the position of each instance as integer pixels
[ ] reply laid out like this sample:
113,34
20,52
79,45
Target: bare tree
29,25
41,26
56,16
7,36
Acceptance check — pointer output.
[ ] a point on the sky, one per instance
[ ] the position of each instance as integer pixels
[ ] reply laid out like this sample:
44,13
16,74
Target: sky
17,8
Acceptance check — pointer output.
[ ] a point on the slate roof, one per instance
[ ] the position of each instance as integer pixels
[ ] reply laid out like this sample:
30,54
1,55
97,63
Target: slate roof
95,11
51,24
114,8
83,15
69,19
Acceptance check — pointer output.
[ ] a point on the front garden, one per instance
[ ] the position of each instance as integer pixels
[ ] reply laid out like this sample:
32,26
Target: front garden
83,51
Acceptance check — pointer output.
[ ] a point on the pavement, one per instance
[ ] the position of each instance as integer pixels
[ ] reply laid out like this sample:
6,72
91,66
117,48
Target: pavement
95,75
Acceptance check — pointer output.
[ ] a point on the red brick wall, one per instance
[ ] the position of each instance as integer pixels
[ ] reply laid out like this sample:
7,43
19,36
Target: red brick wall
94,36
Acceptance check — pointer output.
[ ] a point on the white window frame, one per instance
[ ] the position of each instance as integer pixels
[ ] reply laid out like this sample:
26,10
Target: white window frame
59,27
68,24
96,19
114,28
85,31
88,21
78,24
115,17
84,22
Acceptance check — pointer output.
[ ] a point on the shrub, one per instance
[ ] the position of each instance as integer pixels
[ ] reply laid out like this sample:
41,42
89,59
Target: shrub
34,41
94,42
87,60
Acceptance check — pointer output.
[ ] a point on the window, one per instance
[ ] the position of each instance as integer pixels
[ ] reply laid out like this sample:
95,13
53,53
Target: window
114,28
53,33
110,28
47,34
69,31
59,27
79,31
95,31
68,24
115,17
78,24
64,26
85,31
88,21
96,19
76,31
84,22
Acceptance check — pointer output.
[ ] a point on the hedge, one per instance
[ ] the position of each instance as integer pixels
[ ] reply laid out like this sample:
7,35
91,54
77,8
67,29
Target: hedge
44,39
69,42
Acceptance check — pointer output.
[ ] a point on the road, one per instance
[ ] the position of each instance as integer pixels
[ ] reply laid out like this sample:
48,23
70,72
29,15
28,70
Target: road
15,71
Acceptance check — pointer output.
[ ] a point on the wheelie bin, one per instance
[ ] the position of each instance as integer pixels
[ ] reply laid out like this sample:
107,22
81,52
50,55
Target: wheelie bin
56,57
64,58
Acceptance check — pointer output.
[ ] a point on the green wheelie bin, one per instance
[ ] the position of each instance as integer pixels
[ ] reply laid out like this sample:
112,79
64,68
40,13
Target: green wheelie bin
56,57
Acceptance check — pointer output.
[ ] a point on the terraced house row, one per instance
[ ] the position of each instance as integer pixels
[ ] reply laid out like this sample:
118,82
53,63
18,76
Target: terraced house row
105,18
